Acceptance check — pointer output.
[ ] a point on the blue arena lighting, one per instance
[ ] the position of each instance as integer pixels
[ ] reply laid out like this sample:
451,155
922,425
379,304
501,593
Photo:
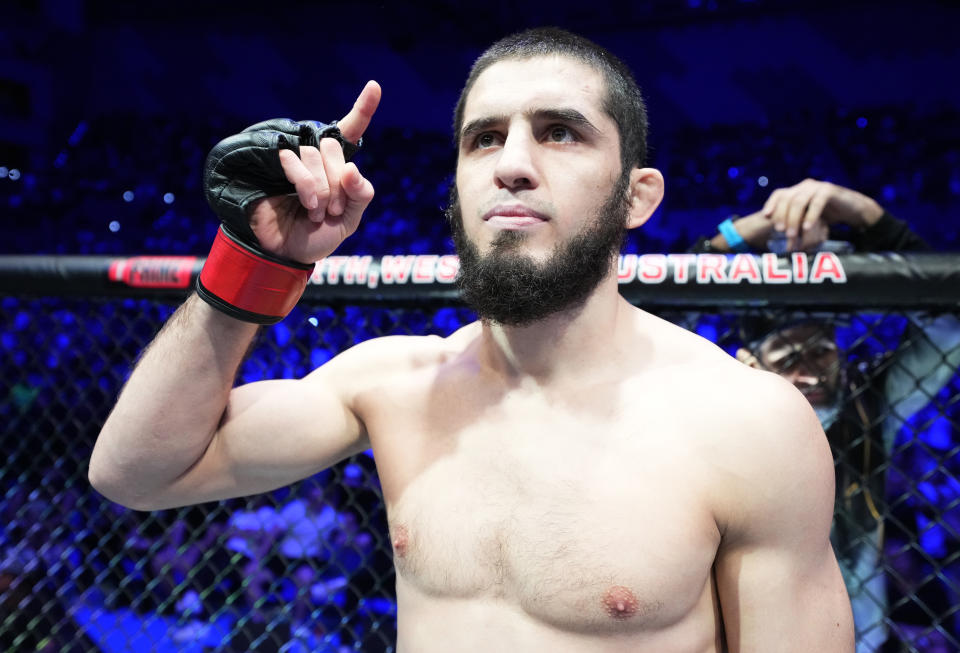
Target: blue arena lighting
78,133
353,472
320,356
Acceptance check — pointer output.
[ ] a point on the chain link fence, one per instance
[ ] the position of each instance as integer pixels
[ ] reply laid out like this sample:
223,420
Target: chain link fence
309,568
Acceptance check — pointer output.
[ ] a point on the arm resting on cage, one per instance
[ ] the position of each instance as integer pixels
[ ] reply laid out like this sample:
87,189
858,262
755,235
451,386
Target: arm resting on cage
180,434
888,234
778,581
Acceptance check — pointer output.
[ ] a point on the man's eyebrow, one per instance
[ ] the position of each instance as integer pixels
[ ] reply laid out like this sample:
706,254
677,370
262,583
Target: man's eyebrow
565,115
480,125
777,347
777,355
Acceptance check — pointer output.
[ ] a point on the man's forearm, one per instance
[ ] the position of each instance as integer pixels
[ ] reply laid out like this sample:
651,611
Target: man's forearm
888,234
172,404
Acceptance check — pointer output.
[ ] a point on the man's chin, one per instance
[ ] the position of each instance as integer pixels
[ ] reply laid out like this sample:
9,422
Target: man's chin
820,398
508,240
517,256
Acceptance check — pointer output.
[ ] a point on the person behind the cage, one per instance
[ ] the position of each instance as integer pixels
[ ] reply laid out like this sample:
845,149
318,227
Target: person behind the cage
547,485
861,400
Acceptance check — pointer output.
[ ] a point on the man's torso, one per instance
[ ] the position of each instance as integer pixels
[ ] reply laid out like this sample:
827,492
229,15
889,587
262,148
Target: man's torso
570,517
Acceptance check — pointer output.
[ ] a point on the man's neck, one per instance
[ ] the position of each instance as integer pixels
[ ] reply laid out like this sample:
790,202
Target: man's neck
564,345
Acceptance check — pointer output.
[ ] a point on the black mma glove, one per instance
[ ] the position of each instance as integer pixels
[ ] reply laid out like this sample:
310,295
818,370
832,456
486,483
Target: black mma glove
239,277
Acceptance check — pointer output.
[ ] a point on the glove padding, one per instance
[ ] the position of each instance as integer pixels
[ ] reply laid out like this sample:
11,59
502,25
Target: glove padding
246,167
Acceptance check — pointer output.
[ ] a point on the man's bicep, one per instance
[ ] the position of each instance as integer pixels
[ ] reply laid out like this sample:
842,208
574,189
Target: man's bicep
273,433
774,600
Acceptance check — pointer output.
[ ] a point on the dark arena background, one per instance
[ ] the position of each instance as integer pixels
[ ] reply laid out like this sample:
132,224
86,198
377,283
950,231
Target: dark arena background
107,111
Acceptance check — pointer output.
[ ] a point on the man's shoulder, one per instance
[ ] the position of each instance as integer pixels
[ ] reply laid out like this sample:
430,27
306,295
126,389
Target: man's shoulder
733,402
770,405
752,436
766,446
393,354
754,408
701,365
746,419
712,374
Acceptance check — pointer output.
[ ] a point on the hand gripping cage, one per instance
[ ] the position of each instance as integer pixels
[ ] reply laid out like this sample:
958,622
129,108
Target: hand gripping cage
309,567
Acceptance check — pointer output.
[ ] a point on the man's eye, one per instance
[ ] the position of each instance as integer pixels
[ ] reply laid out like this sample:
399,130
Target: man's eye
560,134
485,140
789,362
822,352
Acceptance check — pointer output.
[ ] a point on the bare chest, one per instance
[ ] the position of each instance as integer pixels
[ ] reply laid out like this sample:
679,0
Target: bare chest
587,522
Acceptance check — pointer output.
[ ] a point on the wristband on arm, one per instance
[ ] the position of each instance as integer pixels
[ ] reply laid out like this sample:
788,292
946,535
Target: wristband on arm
734,240
248,284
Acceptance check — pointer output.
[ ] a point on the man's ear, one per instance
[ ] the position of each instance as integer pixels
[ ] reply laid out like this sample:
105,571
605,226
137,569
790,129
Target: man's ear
645,193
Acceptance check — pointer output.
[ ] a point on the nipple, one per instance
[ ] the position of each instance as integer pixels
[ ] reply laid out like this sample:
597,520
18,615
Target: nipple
620,603
401,540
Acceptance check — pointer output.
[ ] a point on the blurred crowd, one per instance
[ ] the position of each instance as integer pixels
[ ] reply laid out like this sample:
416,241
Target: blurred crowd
276,572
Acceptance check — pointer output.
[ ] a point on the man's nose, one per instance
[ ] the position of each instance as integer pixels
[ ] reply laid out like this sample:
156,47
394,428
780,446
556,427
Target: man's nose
805,378
516,168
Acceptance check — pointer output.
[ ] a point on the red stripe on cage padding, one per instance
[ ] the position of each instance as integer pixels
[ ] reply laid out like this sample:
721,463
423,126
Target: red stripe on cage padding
153,271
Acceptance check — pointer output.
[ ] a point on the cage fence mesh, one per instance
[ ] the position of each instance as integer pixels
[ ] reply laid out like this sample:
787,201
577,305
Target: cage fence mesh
309,567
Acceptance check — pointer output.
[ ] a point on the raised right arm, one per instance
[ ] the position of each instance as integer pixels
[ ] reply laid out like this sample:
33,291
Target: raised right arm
179,433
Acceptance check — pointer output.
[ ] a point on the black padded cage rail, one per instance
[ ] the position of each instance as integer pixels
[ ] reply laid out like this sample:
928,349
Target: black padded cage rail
680,280
309,568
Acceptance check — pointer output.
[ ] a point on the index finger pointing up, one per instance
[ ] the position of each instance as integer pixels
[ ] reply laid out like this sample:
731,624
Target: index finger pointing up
356,122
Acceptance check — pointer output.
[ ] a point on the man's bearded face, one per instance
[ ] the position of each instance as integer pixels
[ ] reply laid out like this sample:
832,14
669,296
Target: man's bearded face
509,287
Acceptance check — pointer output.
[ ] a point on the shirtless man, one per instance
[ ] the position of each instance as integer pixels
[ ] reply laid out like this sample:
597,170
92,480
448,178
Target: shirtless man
569,473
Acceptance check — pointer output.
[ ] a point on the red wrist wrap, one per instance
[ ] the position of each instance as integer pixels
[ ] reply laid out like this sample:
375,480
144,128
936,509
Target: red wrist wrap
242,283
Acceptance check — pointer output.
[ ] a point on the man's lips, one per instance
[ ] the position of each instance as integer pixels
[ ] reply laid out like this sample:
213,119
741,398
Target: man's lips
513,216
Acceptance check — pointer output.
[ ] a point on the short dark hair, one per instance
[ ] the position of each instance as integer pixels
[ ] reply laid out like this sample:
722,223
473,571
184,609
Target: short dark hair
623,102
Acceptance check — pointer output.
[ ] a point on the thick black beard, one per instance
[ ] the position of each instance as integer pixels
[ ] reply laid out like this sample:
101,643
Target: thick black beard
510,288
